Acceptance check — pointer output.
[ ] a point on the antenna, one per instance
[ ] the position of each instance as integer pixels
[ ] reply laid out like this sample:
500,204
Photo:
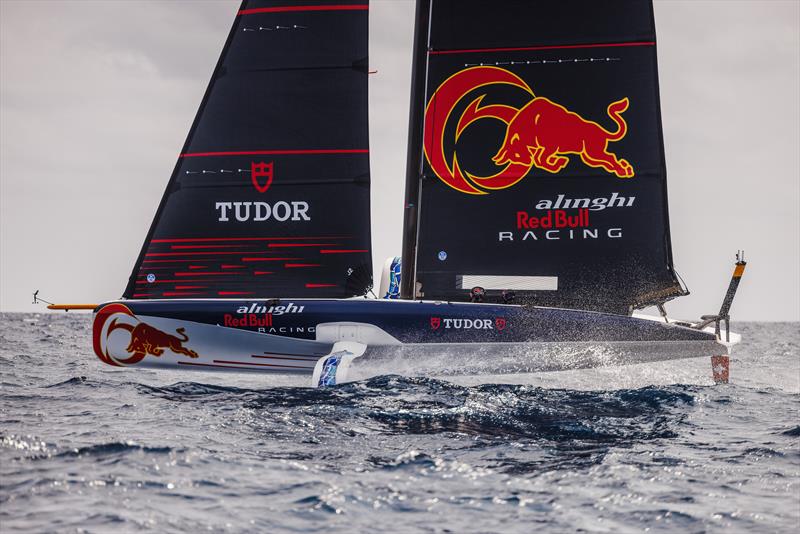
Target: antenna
37,299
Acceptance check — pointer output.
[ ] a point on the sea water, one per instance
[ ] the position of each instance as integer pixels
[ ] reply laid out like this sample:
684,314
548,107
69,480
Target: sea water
85,447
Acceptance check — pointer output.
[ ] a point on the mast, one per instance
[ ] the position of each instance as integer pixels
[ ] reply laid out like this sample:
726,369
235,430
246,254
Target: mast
414,161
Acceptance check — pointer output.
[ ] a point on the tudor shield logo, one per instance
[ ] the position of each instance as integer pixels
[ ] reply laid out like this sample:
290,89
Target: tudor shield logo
541,133
436,322
261,175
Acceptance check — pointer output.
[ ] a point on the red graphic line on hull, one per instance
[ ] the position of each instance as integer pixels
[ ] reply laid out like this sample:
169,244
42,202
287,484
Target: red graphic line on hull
192,267
195,239
341,251
275,153
533,48
259,273
223,366
233,293
311,286
225,266
136,295
191,287
283,9
264,364
180,294
296,357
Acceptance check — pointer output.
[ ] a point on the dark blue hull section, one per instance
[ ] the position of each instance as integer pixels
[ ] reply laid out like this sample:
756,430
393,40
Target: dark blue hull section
419,321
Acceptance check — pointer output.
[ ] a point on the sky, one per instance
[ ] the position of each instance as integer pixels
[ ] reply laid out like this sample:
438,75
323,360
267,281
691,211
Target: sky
96,99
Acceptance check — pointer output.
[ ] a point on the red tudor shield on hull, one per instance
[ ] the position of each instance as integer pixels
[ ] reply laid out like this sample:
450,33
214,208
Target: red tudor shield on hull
436,322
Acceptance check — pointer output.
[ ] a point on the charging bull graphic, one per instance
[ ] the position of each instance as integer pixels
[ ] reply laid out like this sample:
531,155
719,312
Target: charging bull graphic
144,339
541,134
148,340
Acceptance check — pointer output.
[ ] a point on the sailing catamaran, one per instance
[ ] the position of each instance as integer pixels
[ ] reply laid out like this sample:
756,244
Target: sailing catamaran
535,211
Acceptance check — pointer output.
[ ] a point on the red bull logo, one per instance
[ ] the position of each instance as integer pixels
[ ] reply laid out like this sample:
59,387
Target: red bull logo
541,134
144,339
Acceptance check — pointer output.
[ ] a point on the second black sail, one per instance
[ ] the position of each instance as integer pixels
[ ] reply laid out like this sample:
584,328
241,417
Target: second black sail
542,167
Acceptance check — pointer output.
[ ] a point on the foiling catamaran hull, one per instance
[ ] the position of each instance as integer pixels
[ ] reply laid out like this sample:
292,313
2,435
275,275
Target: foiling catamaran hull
515,196
292,336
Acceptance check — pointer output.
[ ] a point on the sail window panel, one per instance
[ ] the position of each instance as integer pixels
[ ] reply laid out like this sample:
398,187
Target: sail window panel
303,109
513,283
475,24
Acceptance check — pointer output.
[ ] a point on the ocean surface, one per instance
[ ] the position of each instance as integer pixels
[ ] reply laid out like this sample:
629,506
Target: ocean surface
89,448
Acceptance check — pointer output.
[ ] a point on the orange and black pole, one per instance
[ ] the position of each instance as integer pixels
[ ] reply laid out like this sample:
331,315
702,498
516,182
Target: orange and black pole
720,365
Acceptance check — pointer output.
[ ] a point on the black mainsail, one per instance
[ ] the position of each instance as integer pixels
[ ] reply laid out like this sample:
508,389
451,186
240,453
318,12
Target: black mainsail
270,195
536,158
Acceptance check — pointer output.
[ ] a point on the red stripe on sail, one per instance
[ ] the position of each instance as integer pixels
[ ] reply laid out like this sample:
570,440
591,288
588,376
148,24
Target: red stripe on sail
209,274
195,239
284,9
169,281
270,259
291,265
178,247
310,152
533,48
174,261
276,245
311,286
152,254
342,251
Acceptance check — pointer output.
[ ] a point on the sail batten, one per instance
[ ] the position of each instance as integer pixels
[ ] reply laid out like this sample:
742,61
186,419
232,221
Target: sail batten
538,48
543,162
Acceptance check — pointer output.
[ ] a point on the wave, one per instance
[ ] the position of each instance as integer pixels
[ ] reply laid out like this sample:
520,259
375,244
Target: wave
403,405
